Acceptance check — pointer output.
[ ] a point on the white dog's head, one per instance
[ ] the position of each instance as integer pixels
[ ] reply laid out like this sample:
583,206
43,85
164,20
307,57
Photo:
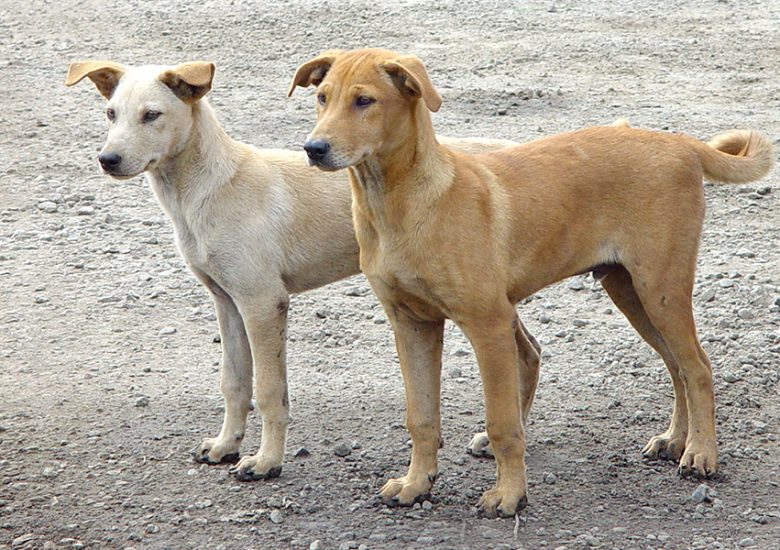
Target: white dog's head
149,110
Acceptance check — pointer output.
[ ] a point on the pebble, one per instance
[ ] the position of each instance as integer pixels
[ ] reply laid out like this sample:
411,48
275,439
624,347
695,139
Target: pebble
50,473
167,331
545,319
549,478
745,253
575,284
316,545
427,505
357,291
726,283
23,539
708,295
343,449
152,528
730,378
276,516
142,401
85,211
301,452
48,207
745,314
701,494
747,541
455,372
461,352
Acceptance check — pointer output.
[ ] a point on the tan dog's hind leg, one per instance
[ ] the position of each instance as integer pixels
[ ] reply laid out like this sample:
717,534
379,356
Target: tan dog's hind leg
665,294
670,444
419,347
495,346
265,320
528,366
236,384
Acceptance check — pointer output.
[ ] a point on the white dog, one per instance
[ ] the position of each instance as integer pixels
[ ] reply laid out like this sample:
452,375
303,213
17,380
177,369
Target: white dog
253,225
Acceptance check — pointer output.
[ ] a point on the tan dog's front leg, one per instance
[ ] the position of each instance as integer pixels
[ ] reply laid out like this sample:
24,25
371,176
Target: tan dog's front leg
419,347
266,325
495,346
236,384
528,366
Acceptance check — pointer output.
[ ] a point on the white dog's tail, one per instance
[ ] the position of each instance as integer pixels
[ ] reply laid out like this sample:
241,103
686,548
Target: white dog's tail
738,156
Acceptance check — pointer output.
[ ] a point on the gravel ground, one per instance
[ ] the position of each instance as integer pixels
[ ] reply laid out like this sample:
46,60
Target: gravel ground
109,373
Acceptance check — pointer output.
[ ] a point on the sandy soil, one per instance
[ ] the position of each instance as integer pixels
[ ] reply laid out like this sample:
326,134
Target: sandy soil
98,411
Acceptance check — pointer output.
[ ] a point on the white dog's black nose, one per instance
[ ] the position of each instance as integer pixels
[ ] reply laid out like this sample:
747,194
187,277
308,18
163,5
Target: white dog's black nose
316,149
109,161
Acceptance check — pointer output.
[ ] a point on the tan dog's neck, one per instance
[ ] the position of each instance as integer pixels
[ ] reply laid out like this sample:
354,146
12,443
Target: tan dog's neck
187,162
412,167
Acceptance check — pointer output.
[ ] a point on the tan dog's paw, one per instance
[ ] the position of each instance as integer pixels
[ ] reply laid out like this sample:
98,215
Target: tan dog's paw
699,460
664,447
405,491
480,446
252,468
214,451
502,502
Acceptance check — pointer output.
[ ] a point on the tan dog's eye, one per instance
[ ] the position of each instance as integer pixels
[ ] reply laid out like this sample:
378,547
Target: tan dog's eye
364,101
321,99
151,116
110,114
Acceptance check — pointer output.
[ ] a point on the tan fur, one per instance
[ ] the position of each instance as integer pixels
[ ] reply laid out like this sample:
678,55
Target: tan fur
253,225
465,237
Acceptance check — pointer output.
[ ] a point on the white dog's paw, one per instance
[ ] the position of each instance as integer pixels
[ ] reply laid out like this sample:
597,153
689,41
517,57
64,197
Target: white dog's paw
480,446
214,451
251,468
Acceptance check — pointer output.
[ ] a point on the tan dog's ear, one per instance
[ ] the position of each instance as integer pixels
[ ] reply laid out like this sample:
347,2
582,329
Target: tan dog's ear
189,81
313,71
104,74
409,75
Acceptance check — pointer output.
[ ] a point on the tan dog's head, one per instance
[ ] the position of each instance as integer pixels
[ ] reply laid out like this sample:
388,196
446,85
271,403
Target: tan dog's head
149,110
367,104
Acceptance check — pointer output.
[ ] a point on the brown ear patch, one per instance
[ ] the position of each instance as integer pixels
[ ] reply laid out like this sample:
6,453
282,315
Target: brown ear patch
313,71
104,74
189,81
409,75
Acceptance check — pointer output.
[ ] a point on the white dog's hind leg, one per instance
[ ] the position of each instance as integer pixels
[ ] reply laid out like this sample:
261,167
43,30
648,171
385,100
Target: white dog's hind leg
266,325
236,383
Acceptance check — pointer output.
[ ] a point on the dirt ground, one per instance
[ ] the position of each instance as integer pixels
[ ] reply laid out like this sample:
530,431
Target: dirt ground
98,409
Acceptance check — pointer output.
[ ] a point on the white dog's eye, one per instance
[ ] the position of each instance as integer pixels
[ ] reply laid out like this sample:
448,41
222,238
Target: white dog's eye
321,99
110,114
151,116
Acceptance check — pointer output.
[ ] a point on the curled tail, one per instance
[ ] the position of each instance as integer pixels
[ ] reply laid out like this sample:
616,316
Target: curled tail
738,156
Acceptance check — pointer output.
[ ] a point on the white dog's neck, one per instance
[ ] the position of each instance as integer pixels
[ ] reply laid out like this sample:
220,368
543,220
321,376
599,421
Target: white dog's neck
207,160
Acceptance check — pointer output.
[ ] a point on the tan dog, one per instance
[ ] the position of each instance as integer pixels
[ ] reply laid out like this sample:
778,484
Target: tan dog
444,234
253,225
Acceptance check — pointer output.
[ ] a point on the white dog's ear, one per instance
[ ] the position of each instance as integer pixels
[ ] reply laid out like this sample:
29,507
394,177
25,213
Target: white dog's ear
189,81
410,77
313,71
104,74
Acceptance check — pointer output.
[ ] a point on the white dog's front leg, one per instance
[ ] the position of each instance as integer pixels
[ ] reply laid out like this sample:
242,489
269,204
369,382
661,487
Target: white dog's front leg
236,384
266,325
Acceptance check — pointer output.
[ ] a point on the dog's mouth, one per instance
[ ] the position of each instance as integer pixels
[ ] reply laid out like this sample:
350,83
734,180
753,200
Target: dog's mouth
120,175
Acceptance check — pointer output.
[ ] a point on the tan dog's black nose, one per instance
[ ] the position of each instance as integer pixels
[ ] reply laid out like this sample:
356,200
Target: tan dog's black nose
109,161
316,149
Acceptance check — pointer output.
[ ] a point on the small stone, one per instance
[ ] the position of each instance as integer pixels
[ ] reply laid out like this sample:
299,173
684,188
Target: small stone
301,452
745,253
745,314
455,372
357,291
142,401
50,473
461,352
580,323
747,541
575,284
316,545
425,540
549,478
726,283
708,295
701,494
342,450
276,516
427,505
152,528
167,331
85,211
545,319
23,539
47,206
730,378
